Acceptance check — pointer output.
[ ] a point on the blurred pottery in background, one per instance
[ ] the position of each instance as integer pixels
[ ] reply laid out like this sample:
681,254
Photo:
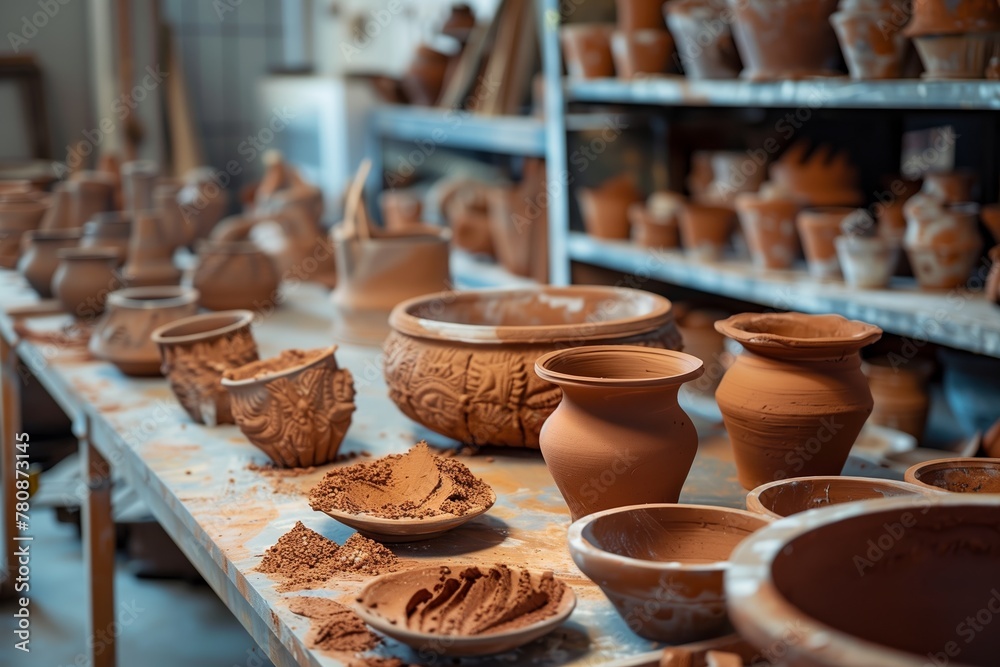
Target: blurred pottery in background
955,40
704,40
587,50
942,241
233,276
654,224
92,192
424,78
468,214
817,177
84,279
818,227
61,214
705,230
636,15
641,52
203,201
16,219
871,36
701,340
519,223
150,253
605,207
769,228
993,279
950,187
868,262
40,259
110,229
139,178
990,214
401,210
899,389
179,229
792,39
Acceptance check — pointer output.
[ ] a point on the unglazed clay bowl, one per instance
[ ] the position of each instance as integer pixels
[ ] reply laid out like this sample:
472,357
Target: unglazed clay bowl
461,363
799,494
957,475
851,584
385,604
662,565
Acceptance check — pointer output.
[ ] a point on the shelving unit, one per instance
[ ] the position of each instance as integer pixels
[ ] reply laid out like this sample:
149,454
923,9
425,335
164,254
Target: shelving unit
455,128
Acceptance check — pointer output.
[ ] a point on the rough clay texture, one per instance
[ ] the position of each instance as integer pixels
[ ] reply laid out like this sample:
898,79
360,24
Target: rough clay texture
334,626
415,485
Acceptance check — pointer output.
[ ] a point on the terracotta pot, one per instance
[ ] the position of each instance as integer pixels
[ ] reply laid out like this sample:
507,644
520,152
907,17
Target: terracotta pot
795,399
899,390
150,253
110,229
460,363
993,279
468,212
519,231
662,566
196,351
641,53
704,39
817,177
84,278
955,56
424,78
17,218
732,173
621,400
139,178
943,17
769,228
705,230
61,214
233,276
179,229
587,50
785,40
970,389
957,475
39,261
950,187
654,224
990,214
826,575
92,192
639,15
867,262
296,407
701,340
110,166
942,242
401,210
785,497
203,201
122,335
874,45
303,201
818,227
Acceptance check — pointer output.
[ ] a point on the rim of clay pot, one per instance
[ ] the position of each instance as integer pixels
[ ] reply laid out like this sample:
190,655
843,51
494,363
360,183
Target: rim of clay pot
759,500
916,474
659,312
62,234
93,252
618,366
797,331
761,613
158,296
206,326
234,376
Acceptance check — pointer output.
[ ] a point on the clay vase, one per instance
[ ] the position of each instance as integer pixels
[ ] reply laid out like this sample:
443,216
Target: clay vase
873,42
401,211
180,230
196,351
233,276
705,230
424,78
203,201
769,228
587,50
641,53
818,227
621,401
92,192
704,39
40,259
792,39
795,399
296,407
942,242
605,208
955,40
60,214
122,335
993,279
654,224
110,229
83,280
639,15
899,390
139,178
867,262
16,219
150,253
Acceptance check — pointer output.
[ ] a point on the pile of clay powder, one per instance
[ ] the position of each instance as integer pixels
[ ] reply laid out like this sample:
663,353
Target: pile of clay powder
414,485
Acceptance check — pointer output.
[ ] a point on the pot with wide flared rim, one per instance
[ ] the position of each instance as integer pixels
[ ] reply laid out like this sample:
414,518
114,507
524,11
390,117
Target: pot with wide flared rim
618,412
957,475
795,399
786,497
84,279
40,259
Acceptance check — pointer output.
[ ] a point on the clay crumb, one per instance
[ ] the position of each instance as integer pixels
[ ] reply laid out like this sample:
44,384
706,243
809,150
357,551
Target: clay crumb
364,555
334,627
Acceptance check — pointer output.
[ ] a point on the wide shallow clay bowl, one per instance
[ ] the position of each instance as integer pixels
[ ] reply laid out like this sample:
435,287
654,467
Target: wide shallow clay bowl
383,603
662,565
957,475
880,582
800,494
461,363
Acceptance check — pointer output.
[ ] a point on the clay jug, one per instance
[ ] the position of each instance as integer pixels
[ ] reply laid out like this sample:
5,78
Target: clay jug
110,229
179,228
203,201
899,389
619,436
40,259
795,399
84,279
769,228
150,253
233,276
605,207
138,180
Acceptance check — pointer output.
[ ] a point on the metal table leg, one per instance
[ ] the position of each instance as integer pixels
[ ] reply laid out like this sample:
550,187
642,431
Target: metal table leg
99,554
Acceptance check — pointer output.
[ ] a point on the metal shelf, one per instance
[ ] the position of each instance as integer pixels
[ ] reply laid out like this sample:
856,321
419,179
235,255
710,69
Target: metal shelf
959,319
837,93
455,128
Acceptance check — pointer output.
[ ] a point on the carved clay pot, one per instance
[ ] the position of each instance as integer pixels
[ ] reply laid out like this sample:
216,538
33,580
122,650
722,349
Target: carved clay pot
785,40
769,228
636,15
847,574
899,389
460,363
993,279
92,192
122,335
424,78
867,262
401,211
942,242
61,214
196,351
587,50
605,208
795,399
704,39
705,230
654,224
138,181
957,475
641,52
621,400
662,565
111,229
296,407
203,201
873,43
84,279
150,253
232,276
40,259
818,227
786,497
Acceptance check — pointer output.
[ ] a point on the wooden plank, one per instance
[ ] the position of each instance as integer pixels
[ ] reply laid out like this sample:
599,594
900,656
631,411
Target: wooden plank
99,554
10,423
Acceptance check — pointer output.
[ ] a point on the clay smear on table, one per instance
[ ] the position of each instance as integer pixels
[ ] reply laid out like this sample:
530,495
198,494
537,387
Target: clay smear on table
303,559
334,626
414,485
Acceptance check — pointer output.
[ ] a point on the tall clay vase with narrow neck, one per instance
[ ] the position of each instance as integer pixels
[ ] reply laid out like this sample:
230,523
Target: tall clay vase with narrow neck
618,436
150,253
138,182
795,399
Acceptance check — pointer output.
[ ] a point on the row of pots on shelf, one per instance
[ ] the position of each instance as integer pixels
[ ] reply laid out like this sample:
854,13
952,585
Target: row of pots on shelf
788,40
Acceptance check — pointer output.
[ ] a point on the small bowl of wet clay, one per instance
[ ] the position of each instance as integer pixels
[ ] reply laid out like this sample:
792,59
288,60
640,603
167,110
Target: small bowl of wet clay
466,610
957,475
790,496
403,497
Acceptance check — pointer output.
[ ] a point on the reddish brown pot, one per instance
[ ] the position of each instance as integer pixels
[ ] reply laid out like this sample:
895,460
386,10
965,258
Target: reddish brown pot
203,202
993,279
955,56
179,227
874,45
401,211
785,40
605,208
84,279
654,224
990,215
111,229
424,78
587,50
795,399
957,475
769,228
138,181
620,400
150,253
786,497
942,242
17,218
468,214
944,17
818,227
817,177
61,214
519,231
639,15
705,230
950,187
900,394
92,192
233,276
704,39
641,52
40,259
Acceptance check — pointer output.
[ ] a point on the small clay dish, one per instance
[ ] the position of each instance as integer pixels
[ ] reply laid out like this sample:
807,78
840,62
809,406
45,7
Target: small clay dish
786,497
385,604
957,475
662,565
